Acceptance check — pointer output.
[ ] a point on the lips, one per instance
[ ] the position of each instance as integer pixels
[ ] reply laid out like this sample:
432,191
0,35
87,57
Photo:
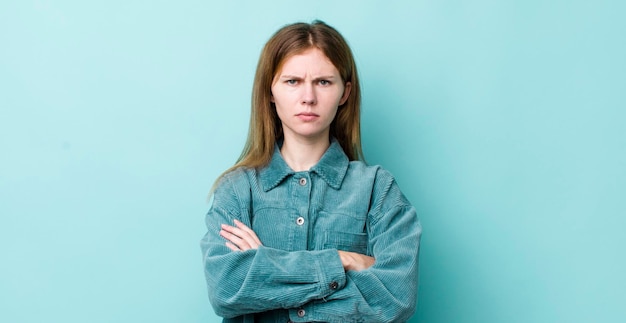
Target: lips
307,116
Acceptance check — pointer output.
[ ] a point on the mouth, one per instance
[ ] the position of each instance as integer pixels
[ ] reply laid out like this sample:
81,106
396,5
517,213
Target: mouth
307,116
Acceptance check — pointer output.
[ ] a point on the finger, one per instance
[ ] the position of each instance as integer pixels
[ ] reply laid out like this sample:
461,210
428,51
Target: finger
232,246
234,239
247,235
355,261
252,234
364,261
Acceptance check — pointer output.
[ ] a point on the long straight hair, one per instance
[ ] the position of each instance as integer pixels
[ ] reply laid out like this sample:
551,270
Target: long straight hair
265,126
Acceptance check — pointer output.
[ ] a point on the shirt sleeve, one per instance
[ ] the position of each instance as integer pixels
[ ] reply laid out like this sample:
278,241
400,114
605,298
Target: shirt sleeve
387,291
262,279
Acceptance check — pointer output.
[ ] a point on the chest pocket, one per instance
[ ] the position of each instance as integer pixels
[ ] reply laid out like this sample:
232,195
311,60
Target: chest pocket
344,231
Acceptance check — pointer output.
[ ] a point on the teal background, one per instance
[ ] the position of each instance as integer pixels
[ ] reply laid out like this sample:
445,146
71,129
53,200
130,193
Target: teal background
503,122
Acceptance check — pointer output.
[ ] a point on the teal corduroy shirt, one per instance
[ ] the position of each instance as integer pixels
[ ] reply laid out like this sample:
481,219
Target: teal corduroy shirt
302,219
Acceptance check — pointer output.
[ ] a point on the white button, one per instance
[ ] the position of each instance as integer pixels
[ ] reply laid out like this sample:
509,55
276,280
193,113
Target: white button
300,221
303,181
301,313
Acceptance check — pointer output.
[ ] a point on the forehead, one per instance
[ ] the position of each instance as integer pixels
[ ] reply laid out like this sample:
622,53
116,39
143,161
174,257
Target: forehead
312,60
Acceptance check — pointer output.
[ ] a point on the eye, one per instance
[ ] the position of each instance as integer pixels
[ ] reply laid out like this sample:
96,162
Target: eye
324,82
292,82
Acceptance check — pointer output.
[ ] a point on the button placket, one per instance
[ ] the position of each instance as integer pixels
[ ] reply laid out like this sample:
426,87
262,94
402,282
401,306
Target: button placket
302,187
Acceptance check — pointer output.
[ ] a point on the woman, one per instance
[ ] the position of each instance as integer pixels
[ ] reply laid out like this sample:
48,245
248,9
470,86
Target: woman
300,229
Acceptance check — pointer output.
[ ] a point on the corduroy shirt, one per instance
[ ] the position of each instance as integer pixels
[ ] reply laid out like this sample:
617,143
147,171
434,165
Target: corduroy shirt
302,219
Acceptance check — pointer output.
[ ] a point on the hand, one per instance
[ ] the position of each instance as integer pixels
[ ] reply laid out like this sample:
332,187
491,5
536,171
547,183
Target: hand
240,237
355,261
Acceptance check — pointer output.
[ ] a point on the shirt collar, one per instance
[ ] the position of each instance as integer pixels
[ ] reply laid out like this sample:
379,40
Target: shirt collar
332,167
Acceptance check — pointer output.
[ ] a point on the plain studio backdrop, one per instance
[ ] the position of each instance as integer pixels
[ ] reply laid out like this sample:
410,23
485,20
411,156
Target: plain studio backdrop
503,122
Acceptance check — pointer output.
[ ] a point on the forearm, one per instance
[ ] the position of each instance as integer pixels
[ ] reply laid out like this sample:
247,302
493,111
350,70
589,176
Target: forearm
265,278
386,291
371,295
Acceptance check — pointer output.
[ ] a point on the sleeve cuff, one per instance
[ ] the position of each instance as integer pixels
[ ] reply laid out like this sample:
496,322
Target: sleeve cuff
332,275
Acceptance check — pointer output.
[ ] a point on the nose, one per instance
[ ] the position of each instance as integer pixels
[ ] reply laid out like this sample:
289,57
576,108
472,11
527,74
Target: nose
308,95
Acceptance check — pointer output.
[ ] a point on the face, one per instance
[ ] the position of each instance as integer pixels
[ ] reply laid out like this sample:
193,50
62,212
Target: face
307,92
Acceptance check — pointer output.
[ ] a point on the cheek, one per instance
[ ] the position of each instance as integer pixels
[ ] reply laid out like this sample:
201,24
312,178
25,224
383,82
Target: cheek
334,114
281,97
334,100
279,112
282,109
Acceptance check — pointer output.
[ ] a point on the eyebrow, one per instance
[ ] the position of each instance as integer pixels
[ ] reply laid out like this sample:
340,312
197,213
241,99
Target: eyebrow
326,77
299,77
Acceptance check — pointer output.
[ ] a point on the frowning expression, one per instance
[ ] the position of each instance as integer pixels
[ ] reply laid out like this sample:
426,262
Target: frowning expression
307,92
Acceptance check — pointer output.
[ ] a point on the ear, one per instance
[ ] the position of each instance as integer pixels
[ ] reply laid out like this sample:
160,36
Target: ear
346,93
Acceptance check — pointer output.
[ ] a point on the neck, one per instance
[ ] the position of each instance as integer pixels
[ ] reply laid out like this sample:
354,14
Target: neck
300,154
